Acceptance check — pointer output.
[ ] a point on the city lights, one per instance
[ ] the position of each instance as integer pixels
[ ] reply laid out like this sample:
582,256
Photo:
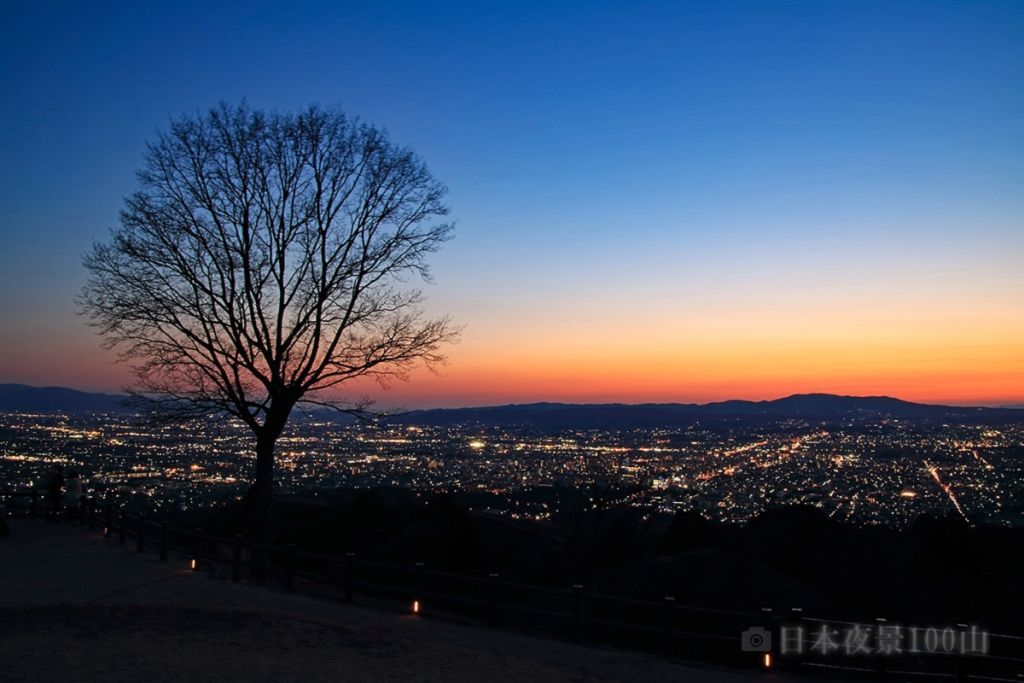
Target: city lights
863,471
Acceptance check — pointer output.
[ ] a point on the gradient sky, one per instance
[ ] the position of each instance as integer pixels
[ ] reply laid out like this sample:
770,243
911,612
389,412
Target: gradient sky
656,202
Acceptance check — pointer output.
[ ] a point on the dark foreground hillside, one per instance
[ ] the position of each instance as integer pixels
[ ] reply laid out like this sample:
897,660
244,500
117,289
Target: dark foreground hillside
938,571
79,607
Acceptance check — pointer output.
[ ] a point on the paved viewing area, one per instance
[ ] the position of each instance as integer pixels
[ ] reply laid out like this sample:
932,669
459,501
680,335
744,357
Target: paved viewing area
80,607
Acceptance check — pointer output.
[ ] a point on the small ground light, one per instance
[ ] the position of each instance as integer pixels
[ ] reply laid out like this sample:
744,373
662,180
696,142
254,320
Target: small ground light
415,606
767,660
193,565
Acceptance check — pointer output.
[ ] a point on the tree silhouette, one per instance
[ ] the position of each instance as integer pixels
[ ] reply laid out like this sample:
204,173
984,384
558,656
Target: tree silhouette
261,263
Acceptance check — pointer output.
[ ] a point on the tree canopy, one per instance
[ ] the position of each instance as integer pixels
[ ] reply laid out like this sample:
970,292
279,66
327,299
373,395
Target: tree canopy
264,260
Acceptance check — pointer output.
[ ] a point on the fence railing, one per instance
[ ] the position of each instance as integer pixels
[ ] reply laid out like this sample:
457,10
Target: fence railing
666,627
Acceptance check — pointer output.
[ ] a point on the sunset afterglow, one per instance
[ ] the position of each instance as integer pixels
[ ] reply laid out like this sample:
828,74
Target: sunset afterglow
811,198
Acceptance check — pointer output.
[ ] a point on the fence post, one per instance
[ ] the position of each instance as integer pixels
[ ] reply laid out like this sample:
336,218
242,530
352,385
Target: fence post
121,529
881,666
417,598
962,663
350,560
33,511
236,560
163,541
197,548
108,519
142,534
289,565
797,615
577,611
668,624
492,599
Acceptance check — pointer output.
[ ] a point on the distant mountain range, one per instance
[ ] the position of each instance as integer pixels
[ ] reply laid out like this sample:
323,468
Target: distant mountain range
620,415
26,399
23,398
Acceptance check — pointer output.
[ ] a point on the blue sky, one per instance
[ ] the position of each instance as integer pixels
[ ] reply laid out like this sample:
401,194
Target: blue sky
610,165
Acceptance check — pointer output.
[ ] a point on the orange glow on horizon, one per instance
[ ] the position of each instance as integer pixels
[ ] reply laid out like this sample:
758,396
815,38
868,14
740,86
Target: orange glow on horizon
959,355
932,353
982,374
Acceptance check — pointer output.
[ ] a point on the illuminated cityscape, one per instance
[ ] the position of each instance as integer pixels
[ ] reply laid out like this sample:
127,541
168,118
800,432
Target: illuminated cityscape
503,341
866,472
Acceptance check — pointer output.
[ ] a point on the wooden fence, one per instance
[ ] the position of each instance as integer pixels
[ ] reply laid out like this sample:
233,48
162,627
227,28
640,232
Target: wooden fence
665,627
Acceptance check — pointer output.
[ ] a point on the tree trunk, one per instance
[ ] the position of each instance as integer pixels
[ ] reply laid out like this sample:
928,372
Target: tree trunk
259,501
258,510
259,517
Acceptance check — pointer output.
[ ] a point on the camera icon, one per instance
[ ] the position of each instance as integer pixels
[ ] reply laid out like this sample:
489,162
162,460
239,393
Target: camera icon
755,639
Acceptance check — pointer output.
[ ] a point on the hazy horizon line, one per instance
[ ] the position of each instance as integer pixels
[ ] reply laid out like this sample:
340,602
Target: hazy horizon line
398,407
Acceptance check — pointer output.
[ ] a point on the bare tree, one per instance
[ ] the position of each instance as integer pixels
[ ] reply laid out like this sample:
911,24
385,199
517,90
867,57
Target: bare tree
261,263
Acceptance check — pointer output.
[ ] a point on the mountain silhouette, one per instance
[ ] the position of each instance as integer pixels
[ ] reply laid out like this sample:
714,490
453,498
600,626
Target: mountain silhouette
24,398
27,399
651,415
